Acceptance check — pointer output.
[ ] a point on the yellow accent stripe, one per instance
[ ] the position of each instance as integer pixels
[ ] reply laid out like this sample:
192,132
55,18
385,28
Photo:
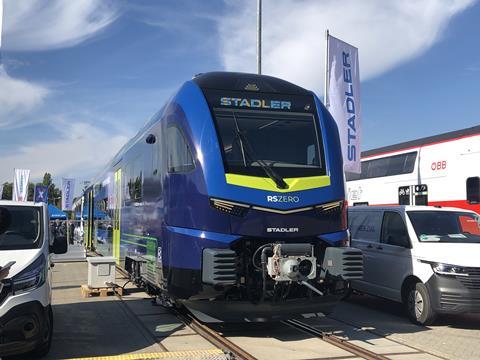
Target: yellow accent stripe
158,355
294,184
132,243
140,236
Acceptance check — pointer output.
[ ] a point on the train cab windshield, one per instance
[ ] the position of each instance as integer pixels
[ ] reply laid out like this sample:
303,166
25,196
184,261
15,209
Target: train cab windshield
286,143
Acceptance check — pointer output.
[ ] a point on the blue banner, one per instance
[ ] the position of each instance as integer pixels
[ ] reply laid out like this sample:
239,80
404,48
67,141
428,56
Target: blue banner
41,193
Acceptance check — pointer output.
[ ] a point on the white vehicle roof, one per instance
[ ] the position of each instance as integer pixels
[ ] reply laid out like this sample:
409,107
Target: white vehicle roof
405,208
20,203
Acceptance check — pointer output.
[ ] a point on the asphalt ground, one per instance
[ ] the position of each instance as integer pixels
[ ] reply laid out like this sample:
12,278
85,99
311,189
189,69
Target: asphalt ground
132,325
451,336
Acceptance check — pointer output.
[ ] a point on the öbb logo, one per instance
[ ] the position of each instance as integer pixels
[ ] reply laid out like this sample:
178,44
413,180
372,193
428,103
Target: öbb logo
439,165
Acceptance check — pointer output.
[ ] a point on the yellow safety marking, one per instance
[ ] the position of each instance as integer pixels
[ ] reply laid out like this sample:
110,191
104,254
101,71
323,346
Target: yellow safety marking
117,215
294,184
156,355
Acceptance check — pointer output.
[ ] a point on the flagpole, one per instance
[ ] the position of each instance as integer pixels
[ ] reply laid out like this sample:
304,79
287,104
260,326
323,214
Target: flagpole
259,36
327,71
1,21
1,29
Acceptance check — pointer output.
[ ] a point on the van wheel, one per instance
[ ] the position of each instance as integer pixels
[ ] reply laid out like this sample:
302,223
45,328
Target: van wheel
47,331
419,305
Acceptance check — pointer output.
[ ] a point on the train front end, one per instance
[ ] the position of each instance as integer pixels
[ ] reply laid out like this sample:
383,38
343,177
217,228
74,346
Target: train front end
265,234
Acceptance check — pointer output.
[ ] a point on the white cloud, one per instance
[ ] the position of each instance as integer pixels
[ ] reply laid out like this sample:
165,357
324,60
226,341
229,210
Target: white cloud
40,25
18,97
387,33
37,25
80,149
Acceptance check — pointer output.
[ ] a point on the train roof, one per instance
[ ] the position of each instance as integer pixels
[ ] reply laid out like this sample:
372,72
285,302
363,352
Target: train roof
247,82
423,141
219,80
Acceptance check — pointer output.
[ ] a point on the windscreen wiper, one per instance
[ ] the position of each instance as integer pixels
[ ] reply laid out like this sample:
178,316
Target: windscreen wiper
247,149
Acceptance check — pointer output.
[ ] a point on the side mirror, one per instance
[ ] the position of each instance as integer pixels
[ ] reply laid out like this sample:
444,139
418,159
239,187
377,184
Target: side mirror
60,245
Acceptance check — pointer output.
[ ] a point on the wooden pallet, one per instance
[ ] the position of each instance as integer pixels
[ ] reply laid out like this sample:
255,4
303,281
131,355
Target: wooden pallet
102,292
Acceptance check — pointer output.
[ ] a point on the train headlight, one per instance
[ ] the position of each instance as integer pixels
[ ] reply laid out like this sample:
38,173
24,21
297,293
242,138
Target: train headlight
336,211
230,207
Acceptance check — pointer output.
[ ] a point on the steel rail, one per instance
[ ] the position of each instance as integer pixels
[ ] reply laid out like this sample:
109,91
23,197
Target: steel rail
236,352
213,336
336,341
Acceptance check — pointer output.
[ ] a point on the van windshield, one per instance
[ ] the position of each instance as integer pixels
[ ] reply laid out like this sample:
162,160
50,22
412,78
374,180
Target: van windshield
20,228
446,226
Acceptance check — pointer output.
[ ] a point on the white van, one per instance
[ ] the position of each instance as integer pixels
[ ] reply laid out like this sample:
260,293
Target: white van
425,257
25,311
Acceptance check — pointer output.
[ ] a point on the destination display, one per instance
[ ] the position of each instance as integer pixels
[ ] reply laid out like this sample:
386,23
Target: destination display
259,101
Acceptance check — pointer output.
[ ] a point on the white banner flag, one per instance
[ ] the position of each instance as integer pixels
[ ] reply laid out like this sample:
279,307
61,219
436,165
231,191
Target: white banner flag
343,99
68,189
1,191
20,185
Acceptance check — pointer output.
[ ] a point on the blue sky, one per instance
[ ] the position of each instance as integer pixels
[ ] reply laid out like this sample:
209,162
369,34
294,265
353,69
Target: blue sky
79,78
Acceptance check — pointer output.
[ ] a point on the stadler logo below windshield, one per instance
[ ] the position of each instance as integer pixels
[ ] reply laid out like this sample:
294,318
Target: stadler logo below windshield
283,199
283,230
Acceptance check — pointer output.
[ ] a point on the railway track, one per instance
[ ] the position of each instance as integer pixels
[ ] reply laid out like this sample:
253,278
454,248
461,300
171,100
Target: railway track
238,353
235,352
217,339
335,340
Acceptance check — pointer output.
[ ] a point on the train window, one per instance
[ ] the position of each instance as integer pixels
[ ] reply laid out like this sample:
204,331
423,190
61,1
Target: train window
409,163
289,143
401,164
473,190
386,166
134,180
378,168
180,158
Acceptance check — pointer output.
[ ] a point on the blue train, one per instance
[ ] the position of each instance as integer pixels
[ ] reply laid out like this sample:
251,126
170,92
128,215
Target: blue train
230,201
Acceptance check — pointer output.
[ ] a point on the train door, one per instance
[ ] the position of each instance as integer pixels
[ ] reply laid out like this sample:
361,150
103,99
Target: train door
117,189
88,219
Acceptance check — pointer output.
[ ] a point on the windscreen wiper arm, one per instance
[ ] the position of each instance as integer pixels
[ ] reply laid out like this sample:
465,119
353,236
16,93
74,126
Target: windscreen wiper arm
247,149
